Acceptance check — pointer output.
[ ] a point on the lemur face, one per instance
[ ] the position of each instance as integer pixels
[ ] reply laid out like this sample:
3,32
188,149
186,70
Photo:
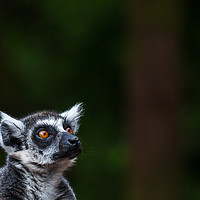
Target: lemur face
42,139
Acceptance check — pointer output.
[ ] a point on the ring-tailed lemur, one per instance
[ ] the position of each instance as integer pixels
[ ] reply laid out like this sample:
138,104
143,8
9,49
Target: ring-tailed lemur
39,147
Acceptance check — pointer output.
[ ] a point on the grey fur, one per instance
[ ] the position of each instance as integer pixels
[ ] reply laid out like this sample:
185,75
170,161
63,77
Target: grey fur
35,166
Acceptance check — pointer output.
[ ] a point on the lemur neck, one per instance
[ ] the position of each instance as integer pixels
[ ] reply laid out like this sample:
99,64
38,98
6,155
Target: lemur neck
44,173
36,184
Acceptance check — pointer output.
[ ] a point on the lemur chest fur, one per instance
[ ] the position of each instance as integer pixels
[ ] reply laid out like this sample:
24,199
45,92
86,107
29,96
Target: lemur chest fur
41,187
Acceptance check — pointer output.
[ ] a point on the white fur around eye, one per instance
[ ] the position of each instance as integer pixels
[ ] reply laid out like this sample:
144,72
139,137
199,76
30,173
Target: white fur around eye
51,122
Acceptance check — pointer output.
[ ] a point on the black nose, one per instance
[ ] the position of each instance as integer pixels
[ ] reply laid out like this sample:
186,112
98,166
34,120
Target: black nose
73,141
69,146
68,139
69,142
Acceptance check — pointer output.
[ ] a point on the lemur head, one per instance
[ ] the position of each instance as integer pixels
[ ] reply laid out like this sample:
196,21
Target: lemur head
42,139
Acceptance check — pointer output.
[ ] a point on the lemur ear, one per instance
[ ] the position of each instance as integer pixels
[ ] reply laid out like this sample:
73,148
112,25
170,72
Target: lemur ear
10,133
73,115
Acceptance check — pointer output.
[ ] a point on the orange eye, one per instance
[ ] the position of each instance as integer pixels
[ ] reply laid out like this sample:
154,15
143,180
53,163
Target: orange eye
69,130
43,134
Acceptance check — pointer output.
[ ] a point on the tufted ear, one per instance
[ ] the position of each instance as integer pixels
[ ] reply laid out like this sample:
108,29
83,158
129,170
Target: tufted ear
73,115
10,133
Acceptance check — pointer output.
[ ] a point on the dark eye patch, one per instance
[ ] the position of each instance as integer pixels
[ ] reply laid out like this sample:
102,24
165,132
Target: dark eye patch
67,124
47,141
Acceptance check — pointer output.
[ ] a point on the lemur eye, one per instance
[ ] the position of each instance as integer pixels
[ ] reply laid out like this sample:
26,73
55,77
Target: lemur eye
69,130
43,134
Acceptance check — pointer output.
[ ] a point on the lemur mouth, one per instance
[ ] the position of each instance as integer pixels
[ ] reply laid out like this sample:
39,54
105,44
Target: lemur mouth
70,154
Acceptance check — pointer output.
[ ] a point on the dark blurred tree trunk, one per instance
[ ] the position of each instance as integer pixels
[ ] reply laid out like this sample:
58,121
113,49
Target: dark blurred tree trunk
154,98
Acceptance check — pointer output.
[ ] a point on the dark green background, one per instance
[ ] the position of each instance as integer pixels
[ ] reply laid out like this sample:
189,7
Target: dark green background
56,53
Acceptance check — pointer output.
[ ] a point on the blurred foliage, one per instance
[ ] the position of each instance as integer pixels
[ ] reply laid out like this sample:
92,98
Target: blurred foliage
191,98
56,53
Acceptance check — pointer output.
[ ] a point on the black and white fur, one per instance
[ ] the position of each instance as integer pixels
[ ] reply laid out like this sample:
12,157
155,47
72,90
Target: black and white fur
35,166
